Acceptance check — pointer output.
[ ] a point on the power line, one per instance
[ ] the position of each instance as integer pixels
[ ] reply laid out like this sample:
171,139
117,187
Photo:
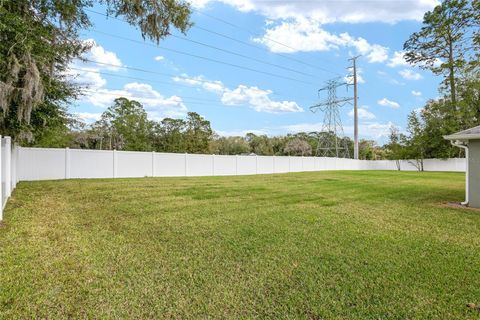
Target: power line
204,58
135,78
238,41
129,96
174,84
269,39
243,56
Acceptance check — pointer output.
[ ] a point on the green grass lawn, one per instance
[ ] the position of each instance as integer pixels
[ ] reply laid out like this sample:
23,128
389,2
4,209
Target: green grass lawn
324,245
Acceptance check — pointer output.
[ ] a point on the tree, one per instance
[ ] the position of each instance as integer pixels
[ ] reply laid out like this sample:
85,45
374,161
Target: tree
298,147
40,38
125,126
260,145
443,45
229,145
198,133
168,135
416,144
394,148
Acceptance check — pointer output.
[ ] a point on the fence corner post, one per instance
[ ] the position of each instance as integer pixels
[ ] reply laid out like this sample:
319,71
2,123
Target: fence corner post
8,167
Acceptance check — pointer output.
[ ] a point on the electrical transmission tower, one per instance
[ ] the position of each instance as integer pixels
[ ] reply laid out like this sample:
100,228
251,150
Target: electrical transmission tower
331,142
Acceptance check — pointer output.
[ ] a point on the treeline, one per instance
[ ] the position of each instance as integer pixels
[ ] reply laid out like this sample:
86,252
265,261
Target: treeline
125,126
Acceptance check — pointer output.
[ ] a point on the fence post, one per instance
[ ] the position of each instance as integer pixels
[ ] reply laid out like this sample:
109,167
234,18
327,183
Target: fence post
114,154
289,164
1,171
67,163
186,166
153,163
8,167
256,164
213,164
302,165
236,164
273,157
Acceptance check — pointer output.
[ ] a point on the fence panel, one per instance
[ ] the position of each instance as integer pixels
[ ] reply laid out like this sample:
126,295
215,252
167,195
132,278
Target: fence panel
199,165
130,164
225,165
41,164
170,164
91,163
246,165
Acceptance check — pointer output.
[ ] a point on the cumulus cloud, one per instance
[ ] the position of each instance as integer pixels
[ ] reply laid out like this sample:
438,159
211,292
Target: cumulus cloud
409,74
416,93
159,58
397,59
256,98
363,114
308,36
99,54
327,11
156,105
200,81
388,103
349,77
88,117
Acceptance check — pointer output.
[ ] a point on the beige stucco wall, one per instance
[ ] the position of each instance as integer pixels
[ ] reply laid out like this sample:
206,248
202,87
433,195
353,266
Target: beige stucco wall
474,173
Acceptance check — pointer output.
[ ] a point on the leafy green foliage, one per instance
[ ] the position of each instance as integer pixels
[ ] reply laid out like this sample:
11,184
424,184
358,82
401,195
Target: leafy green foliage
38,40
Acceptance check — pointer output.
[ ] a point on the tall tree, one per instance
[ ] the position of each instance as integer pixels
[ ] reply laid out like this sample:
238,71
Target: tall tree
443,45
125,126
198,133
298,147
38,40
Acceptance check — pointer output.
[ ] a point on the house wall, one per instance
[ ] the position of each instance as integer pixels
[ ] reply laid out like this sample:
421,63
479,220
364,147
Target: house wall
474,173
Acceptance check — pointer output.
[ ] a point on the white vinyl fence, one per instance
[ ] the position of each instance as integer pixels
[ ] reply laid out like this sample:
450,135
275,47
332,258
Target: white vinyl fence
29,164
48,164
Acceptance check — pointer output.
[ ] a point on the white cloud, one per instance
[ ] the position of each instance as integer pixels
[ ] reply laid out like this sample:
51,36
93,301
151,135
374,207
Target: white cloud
409,74
156,105
349,77
363,114
327,11
397,60
388,103
88,117
256,98
99,54
308,36
200,81
416,93
159,58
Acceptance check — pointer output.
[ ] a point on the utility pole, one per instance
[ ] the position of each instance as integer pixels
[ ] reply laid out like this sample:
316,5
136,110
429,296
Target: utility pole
355,107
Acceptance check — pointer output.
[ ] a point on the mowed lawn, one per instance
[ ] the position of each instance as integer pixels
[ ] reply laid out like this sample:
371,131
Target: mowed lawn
323,245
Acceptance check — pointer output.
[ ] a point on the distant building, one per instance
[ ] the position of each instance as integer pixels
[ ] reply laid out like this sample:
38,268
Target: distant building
470,141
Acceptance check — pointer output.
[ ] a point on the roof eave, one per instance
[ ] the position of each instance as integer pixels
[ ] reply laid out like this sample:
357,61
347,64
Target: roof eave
462,137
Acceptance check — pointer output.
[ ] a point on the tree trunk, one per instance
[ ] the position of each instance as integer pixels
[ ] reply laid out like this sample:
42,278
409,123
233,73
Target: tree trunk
451,68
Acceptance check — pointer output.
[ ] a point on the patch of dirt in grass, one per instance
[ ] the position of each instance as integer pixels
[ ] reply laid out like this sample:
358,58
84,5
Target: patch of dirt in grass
457,205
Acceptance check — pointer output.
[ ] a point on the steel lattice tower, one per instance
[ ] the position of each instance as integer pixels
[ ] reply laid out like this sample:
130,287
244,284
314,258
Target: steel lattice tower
330,141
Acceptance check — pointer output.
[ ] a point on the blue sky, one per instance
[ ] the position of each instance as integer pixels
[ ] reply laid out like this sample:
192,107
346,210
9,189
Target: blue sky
289,50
